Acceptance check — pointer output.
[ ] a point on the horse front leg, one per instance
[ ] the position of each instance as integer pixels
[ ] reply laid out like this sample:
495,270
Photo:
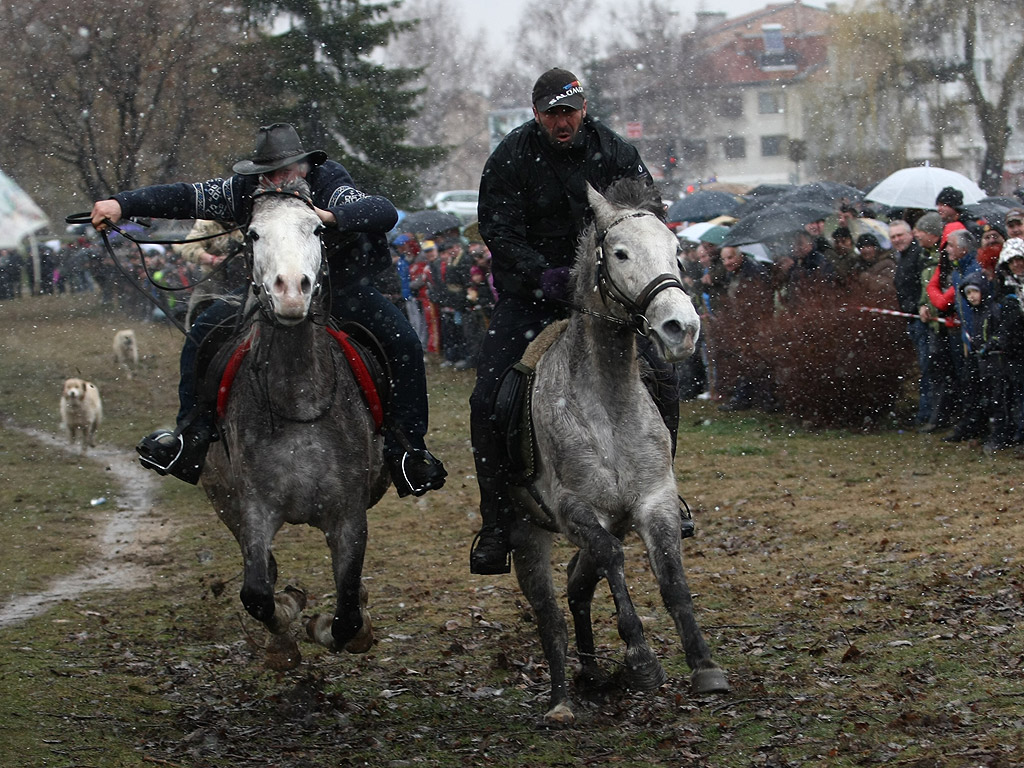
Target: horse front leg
664,552
642,671
582,581
350,628
532,559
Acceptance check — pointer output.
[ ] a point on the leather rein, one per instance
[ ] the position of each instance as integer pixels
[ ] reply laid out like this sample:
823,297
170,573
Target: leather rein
610,291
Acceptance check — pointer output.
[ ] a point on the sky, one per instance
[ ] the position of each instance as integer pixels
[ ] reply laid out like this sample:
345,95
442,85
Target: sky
495,16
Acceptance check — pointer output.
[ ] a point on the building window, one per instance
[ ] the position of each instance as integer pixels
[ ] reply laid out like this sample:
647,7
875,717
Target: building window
770,103
694,150
773,146
772,36
731,105
735,147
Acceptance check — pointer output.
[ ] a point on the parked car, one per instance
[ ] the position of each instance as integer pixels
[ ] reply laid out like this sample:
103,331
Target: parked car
461,202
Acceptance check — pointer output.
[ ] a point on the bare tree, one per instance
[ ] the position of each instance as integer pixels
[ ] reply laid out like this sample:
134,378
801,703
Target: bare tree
110,97
977,44
456,72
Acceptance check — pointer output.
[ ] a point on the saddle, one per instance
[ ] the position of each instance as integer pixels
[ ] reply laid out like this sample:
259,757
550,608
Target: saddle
218,363
512,405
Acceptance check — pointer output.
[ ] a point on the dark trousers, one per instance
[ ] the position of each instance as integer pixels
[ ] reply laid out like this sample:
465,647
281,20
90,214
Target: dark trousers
514,324
918,333
361,303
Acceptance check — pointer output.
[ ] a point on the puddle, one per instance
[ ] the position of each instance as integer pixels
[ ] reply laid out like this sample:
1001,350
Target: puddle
131,535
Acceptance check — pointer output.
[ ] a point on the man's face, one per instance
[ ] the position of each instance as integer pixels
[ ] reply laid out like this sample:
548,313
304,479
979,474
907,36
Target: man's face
561,124
1017,267
900,237
1015,228
991,237
946,213
288,173
926,240
954,250
732,259
869,253
843,245
815,228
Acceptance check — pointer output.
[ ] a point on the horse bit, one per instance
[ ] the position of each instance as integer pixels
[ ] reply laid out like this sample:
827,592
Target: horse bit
609,290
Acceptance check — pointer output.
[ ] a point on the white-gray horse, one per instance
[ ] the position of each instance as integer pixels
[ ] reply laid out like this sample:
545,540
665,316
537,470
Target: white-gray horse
299,442
604,462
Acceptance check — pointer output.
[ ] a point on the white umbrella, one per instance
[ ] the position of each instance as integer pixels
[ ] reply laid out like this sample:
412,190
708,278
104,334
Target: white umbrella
693,232
918,187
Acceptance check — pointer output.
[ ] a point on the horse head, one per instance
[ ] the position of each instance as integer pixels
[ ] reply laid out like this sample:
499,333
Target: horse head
635,272
286,250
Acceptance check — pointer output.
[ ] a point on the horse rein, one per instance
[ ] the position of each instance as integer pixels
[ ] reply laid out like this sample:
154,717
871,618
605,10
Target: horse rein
637,307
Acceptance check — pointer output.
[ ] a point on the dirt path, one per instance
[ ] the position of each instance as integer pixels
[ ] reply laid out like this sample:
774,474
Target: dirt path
131,536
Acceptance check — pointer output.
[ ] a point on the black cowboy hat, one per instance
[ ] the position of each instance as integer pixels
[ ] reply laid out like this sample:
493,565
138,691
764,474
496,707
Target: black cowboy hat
277,146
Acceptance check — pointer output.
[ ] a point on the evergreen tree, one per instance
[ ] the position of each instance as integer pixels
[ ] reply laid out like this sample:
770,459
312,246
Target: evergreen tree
318,75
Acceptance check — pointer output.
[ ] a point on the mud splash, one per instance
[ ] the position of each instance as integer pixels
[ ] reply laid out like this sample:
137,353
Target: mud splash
132,535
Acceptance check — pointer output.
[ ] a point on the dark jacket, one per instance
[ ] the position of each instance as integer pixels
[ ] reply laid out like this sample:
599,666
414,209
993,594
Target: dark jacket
357,247
533,199
909,264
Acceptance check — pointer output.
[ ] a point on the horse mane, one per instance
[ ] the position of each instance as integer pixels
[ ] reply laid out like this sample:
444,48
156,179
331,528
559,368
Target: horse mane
637,194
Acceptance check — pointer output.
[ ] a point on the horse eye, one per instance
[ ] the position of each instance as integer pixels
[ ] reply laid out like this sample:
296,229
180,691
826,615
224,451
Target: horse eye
621,255
319,230
253,235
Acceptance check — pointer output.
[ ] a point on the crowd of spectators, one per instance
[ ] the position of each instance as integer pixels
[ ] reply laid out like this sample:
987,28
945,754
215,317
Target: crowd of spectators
954,282
444,285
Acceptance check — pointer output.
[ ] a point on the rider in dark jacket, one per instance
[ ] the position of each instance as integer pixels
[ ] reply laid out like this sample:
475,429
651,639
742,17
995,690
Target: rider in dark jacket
533,208
357,248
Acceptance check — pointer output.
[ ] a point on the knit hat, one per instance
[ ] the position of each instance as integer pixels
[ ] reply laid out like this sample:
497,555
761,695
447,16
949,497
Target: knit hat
950,196
1012,249
930,223
868,239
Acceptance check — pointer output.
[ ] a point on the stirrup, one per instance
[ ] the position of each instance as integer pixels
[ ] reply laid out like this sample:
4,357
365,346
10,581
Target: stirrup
416,471
482,560
686,526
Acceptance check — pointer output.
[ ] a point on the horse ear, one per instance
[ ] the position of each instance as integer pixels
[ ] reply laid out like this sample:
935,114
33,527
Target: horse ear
604,212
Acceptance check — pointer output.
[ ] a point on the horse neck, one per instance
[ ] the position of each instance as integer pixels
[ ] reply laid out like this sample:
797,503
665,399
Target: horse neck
297,368
603,351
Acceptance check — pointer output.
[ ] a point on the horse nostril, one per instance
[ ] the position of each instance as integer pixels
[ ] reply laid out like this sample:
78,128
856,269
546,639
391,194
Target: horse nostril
672,328
307,285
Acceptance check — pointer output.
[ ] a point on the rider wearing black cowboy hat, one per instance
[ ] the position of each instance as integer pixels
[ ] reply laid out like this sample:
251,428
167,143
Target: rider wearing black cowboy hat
354,236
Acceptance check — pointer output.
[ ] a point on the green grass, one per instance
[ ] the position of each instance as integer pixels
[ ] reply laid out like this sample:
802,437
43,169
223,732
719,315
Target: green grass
863,592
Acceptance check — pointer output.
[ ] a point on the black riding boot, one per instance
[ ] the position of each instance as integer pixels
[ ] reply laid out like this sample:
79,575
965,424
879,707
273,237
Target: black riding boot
182,452
489,553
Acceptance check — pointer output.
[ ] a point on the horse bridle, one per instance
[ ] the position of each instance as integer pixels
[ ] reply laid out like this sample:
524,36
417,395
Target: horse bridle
262,299
636,308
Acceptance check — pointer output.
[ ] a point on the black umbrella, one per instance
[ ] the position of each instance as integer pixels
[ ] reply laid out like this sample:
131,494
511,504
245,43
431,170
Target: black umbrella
703,205
428,223
776,221
770,190
829,192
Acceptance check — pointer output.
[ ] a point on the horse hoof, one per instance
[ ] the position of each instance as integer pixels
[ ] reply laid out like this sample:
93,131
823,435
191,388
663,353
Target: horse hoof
282,653
644,673
710,680
363,641
560,714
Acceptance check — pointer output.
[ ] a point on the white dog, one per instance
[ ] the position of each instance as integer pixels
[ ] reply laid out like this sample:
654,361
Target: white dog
126,353
81,411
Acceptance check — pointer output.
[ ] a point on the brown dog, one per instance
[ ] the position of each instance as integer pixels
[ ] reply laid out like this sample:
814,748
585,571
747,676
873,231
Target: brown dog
81,411
126,352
